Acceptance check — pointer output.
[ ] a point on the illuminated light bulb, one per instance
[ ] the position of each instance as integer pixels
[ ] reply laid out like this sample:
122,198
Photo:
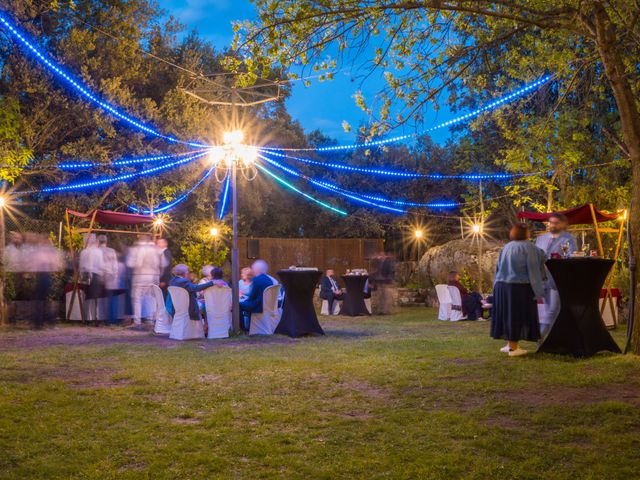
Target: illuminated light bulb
3,201
233,138
216,155
475,228
248,155
214,232
419,233
158,222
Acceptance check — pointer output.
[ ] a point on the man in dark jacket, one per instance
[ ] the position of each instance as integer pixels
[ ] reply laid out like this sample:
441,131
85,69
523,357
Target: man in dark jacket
181,279
166,263
329,289
261,281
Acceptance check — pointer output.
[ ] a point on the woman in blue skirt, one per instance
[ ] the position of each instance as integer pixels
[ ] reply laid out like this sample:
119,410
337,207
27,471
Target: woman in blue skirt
518,286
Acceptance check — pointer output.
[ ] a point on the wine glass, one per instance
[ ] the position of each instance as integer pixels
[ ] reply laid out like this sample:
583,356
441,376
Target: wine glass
565,249
585,248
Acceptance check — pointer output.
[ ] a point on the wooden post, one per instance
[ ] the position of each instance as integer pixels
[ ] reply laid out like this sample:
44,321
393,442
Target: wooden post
597,229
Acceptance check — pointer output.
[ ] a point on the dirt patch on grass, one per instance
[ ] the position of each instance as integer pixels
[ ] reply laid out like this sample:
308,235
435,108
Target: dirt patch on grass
559,395
185,421
99,377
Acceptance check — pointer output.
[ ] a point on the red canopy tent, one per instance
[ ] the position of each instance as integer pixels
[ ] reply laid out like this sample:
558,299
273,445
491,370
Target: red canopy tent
588,214
576,216
103,217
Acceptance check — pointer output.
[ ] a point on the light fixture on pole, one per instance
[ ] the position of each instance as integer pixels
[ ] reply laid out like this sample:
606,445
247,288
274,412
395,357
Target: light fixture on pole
229,158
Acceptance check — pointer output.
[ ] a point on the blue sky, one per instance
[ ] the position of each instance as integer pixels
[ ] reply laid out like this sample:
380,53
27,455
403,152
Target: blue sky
323,105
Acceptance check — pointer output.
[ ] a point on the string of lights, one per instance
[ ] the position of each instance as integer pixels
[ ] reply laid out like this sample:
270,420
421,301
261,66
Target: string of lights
125,162
331,187
225,197
283,182
119,178
400,173
376,143
168,206
47,61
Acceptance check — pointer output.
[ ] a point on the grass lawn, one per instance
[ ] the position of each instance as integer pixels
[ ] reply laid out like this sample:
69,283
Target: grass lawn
403,396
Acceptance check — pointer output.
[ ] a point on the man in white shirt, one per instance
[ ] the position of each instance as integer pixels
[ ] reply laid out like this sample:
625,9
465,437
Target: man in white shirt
111,280
92,274
145,262
551,243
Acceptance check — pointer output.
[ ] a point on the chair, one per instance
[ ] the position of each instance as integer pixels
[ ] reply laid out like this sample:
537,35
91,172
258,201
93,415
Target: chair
324,309
367,303
163,319
182,327
444,299
218,304
265,323
456,305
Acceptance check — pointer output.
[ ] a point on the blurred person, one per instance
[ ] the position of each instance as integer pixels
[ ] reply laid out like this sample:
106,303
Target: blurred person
167,262
551,244
253,302
91,266
518,284
329,289
245,282
206,278
111,278
181,278
146,264
46,260
13,253
382,282
217,277
471,301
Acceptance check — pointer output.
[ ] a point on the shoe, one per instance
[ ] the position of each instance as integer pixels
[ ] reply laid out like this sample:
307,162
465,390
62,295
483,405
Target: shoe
517,352
505,349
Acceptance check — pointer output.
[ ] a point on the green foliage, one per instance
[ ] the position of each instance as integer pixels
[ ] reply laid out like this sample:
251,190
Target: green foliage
468,281
199,248
14,155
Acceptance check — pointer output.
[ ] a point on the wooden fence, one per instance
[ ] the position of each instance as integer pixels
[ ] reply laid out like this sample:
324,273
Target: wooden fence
337,253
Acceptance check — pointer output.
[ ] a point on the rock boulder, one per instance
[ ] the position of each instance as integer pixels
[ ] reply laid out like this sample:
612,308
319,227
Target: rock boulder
460,255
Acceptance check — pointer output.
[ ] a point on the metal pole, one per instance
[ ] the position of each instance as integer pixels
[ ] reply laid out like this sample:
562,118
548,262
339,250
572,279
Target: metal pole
3,309
235,260
480,239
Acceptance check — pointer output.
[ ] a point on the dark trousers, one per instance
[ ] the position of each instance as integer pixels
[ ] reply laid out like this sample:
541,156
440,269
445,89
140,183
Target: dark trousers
472,305
41,314
331,297
112,302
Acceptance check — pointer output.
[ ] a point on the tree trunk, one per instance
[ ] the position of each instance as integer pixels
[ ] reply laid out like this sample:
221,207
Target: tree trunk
607,44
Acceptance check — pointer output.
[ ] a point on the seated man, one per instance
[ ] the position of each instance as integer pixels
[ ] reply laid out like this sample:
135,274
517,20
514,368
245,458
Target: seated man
253,302
329,289
181,279
471,301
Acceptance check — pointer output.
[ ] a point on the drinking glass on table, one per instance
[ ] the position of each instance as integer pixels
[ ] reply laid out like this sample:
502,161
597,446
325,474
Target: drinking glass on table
565,249
585,248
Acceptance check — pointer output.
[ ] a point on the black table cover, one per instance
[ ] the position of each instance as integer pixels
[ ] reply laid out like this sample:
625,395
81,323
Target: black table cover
579,329
353,302
298,313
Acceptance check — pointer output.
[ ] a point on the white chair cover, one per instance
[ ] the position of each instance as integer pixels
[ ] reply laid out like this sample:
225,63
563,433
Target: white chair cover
163,319
367,303
182,327
75,310
456,305
324,309
444,299
265,323
218,305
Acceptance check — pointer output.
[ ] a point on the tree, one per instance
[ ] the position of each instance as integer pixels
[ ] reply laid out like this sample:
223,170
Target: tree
426,46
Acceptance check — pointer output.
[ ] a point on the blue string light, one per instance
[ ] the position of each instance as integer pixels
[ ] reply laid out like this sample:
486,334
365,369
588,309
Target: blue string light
122,177
331,187
375,143
399,173
225,197
180,199
122,162
306,195
81,88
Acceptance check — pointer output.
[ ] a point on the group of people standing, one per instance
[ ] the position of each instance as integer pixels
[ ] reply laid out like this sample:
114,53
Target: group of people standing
108,273
522,281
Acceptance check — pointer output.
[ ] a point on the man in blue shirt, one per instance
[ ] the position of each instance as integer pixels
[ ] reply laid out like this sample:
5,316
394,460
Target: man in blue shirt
551,243
253,302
